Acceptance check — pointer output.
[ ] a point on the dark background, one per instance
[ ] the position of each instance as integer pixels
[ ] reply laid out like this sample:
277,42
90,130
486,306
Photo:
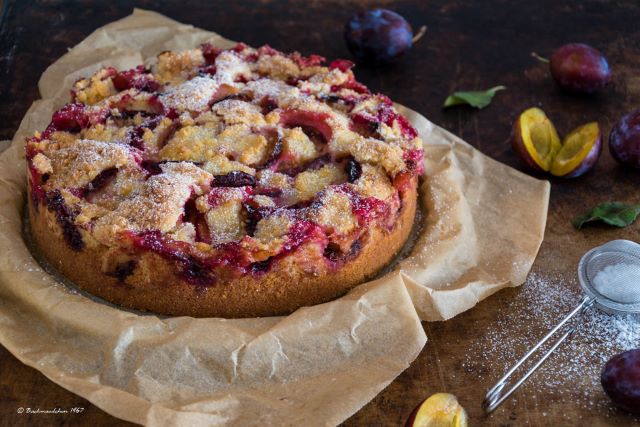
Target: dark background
469,45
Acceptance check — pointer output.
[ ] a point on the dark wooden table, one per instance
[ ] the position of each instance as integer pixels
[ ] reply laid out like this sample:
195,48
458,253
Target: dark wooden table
468,45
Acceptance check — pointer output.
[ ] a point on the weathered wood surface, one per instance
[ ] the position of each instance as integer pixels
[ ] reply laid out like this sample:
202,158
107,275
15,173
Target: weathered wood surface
469,45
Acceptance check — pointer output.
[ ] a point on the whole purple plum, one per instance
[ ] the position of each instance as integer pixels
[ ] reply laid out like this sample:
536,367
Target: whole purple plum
621,380
624,140
378,36
578,67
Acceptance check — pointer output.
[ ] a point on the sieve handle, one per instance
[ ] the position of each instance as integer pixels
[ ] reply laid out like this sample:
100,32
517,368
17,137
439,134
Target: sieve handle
495,397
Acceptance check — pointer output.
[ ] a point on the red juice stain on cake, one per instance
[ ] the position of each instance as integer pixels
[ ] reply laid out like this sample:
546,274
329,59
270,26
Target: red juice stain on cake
190,268
307,61
70,118
208,69
299,233
385,114
37,192
267,50
365,125
239,47
210,52
366,209
195,269
352,85
135,136
402,181
35,178
196,273
135,78
343,65
414,159
65,217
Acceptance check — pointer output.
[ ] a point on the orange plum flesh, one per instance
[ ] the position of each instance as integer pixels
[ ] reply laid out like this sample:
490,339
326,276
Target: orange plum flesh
535,140
580,151
439,410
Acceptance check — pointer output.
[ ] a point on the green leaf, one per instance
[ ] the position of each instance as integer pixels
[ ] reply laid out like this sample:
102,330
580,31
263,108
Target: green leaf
478,99
612,213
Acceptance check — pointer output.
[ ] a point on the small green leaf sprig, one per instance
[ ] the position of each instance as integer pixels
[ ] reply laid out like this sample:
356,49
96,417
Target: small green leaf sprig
478,99
616,214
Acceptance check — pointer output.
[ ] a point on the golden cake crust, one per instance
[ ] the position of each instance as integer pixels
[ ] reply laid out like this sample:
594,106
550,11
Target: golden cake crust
155,287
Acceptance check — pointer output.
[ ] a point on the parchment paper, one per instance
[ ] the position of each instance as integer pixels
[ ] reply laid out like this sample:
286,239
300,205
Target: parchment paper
317,366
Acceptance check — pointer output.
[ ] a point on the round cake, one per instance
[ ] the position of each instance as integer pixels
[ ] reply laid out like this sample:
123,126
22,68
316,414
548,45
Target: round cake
223,183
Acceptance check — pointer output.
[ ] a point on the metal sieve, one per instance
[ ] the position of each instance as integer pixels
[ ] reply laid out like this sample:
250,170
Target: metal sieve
599,273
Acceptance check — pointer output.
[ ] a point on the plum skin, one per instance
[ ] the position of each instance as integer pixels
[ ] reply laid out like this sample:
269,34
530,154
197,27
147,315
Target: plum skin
624,140
589,162
521,151
621,380
578,67
378,36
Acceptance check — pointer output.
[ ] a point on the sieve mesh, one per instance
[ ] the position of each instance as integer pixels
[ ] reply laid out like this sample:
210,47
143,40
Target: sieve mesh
611,275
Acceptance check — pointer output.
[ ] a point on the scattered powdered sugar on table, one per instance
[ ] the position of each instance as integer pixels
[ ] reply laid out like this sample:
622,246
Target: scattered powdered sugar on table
576,365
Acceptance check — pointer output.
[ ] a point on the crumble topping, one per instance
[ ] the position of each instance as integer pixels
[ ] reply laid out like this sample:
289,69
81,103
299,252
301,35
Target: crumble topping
76,165
241,155
193,95
178,66
159,204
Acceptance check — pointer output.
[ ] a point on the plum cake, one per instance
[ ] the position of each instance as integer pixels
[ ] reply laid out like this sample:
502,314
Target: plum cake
223,183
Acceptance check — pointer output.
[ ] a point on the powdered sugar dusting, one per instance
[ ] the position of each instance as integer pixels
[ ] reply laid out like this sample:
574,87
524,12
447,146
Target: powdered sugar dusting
577,364
273,89
192,95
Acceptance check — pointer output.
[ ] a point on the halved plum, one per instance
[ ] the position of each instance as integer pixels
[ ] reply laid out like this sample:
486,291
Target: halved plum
580,152
535,140
441,410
